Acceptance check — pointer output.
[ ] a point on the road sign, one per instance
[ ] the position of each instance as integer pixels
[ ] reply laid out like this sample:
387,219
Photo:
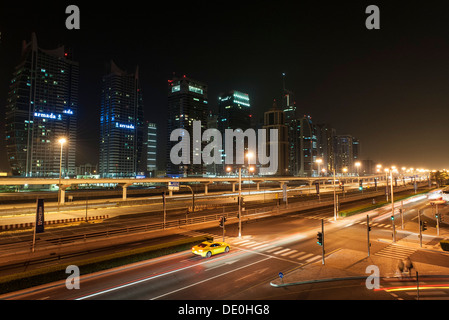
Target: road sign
281,275
173,185
39,227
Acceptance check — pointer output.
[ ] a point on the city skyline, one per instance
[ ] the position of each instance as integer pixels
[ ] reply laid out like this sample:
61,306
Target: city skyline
381,81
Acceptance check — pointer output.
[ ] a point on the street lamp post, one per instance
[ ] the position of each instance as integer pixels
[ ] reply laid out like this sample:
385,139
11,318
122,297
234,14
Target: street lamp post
61,141
240,202
228,169
319,161
357,165
392,200
335,202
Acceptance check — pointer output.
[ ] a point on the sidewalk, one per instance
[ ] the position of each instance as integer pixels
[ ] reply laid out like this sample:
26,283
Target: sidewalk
347,264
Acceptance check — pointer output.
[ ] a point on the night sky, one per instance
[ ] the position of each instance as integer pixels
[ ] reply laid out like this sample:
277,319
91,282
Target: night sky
388,87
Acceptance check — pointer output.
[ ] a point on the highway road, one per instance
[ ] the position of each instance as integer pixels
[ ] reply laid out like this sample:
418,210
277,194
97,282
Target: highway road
269,246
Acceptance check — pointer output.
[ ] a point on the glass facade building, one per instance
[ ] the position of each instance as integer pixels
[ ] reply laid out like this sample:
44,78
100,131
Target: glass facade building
151,149
42,107
234,112
187,102
121,125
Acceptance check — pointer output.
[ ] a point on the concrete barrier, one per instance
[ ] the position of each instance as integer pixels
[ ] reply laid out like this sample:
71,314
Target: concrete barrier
49,222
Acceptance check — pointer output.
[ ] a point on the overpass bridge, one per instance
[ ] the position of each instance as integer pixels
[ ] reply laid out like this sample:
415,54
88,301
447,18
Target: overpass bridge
124,183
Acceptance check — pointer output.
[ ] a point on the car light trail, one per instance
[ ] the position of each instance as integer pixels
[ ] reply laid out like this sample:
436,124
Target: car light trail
407,288
134,282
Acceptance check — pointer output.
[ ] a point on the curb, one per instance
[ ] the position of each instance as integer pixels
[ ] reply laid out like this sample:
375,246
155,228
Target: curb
315,281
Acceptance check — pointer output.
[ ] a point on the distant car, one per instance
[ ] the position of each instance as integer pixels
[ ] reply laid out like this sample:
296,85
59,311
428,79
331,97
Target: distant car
208,248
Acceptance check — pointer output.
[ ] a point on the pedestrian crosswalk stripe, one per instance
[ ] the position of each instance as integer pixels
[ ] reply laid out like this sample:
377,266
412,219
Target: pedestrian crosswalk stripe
260,246
306,256
396,252
281,251
255,244
288,253
297,254
273,249
313,258
241,241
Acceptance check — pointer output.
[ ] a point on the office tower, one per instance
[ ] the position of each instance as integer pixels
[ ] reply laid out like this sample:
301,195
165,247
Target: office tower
308,147
292,121
275,119
121,124
42,107
151,149
187,102
234,112
344,153
325,148
355,149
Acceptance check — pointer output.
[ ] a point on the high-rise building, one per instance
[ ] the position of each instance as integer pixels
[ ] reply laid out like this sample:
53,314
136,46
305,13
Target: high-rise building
344,153
42,107
234,112
151,149
293,127
187,102
308,147
275,119
325,150
121,124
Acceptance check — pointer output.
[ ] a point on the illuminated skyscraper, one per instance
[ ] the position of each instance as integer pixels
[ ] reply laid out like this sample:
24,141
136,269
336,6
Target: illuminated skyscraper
151,149
346,152
234,112
121,125
275,119
42,107
187,102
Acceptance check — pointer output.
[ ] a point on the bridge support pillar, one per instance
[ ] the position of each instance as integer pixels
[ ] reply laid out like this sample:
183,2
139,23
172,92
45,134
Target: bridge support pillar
62,195
62,189
124,189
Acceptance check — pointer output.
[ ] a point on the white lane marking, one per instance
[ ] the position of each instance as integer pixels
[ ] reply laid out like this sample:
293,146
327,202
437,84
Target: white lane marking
139,281
211,278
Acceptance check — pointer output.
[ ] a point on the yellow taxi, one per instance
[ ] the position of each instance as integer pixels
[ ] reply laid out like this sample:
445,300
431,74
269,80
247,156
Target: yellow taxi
208,248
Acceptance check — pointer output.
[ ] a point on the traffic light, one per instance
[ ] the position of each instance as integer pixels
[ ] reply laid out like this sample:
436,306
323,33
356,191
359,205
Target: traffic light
361,184
423,225
392,217
319,237
222,221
